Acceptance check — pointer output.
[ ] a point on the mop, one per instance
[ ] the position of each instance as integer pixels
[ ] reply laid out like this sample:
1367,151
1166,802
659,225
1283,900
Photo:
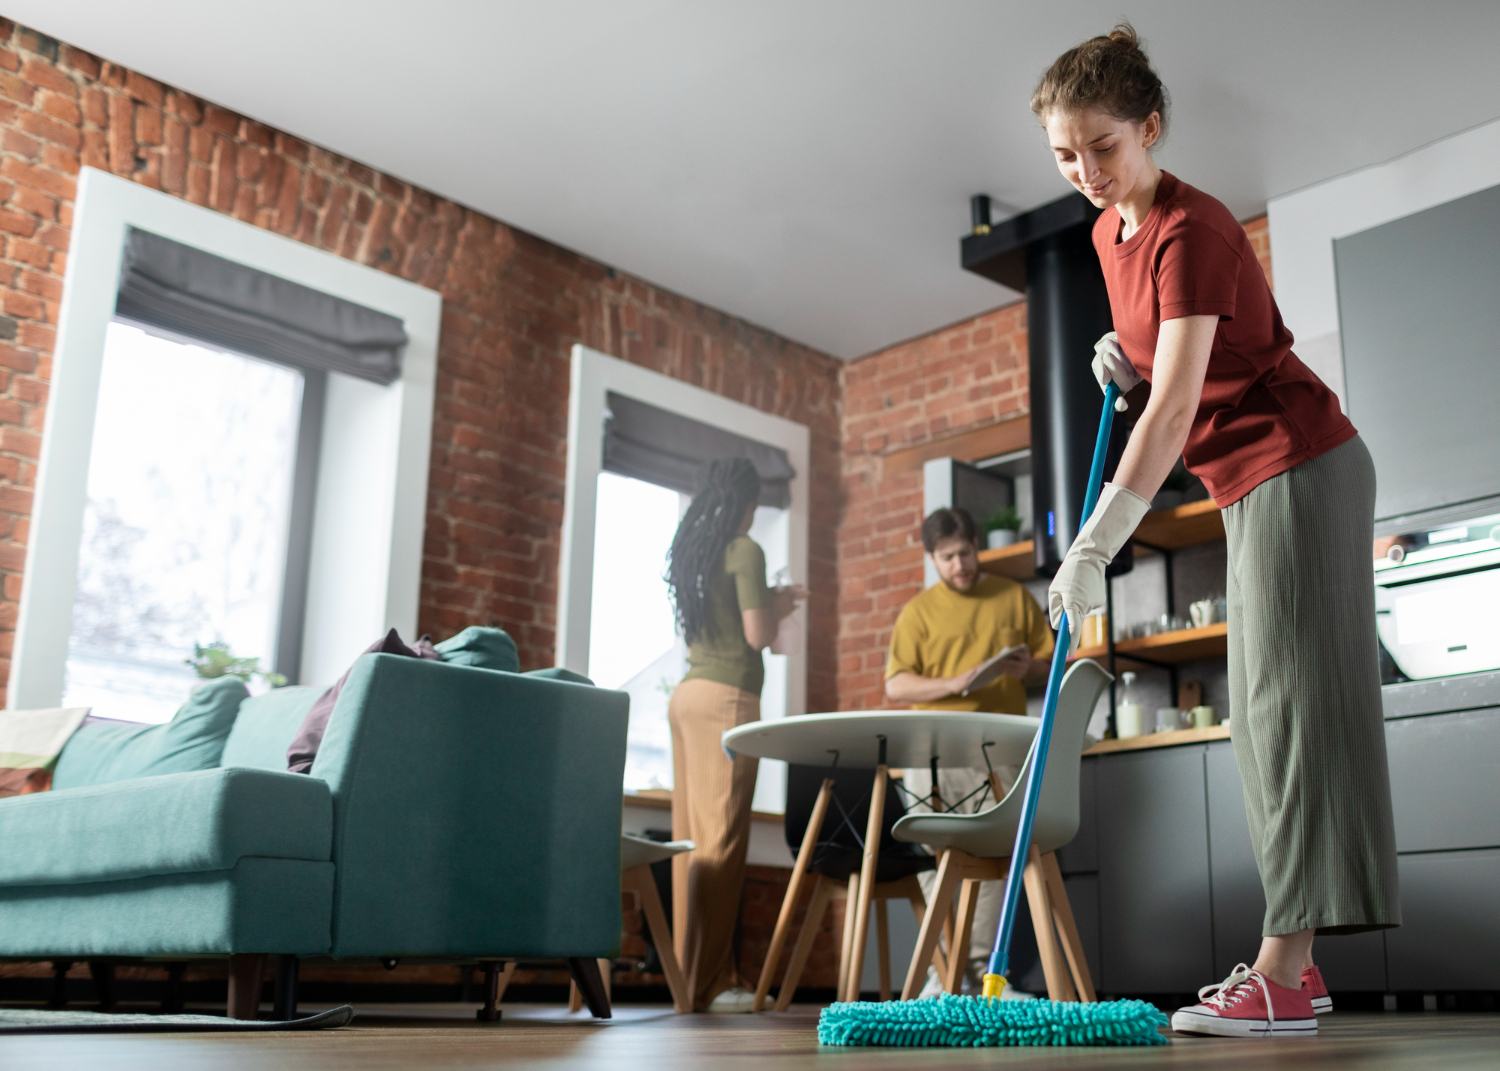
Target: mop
987,1020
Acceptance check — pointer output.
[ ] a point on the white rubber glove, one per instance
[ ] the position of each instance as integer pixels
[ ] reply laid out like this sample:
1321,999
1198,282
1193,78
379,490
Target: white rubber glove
1078,588
1112,366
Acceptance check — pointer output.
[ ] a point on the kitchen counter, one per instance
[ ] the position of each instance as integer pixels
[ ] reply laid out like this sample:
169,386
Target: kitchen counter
1155,740
1470,691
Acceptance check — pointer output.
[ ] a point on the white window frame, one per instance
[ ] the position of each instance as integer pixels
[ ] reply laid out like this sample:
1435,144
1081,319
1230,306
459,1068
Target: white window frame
368,519
594,375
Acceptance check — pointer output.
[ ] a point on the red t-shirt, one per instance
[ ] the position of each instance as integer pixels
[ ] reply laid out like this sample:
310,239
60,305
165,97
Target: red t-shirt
1263,411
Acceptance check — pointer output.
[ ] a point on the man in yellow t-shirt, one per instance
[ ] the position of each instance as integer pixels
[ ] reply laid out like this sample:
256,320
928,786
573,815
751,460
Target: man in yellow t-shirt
941,638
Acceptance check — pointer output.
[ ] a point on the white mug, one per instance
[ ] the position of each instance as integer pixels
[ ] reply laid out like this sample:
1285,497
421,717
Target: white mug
1202,612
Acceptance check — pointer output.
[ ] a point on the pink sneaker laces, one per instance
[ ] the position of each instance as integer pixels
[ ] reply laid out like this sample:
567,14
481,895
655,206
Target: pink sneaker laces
1239,985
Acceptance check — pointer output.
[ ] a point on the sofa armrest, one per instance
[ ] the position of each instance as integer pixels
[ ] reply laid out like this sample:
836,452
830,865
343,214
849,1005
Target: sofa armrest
475,812
172,824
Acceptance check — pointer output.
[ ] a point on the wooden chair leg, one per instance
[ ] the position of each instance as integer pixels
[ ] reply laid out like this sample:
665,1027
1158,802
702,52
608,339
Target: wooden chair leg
846,941
883,948
245,974
1067,929
506,974
866,886
575,997
949,868
823,894
919,909
963,931
793,891
640,881
585,972
1059,985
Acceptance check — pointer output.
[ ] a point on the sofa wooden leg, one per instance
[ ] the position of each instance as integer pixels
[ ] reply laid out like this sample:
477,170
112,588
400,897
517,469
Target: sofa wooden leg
103,974
284,1002
171,1001
245,974
585,972
496,978
60,969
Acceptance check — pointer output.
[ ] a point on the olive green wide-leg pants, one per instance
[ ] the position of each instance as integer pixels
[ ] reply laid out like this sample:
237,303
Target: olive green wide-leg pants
1304,696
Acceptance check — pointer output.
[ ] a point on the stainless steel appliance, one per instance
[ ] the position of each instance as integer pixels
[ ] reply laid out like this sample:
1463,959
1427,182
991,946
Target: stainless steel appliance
1437,602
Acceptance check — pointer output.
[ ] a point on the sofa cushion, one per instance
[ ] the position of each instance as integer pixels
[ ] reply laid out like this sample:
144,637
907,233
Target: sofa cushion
101,752
266,725
482,648
259,905
174,824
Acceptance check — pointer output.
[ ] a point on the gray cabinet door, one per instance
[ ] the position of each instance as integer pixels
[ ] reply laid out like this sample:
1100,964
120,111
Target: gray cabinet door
1450,936
1445,780
1155,920
1083,898
1239,904
1081,854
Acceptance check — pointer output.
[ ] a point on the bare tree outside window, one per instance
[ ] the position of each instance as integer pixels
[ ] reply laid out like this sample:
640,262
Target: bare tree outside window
185,526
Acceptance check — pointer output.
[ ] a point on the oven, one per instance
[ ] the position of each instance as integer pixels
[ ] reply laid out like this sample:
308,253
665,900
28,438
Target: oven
1437,602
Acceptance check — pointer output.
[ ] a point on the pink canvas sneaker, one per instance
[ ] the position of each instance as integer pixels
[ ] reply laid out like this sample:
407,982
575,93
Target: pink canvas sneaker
1247,1004
1312,985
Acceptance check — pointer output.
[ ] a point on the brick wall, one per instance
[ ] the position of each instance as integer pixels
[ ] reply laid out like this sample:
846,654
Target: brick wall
513,306
962,377
938,386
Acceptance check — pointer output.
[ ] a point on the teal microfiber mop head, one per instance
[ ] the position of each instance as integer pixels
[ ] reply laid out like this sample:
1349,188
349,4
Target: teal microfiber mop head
975,1022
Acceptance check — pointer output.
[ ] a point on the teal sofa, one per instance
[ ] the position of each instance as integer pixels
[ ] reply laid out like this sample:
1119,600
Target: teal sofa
452,813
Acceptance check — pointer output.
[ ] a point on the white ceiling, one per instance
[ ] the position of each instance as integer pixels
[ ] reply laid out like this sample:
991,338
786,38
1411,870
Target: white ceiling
804,164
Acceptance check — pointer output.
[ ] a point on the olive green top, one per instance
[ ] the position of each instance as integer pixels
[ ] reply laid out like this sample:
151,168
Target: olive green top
721,653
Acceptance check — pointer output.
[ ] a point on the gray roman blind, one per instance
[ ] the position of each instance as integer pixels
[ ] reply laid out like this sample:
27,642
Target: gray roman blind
188,292
667,449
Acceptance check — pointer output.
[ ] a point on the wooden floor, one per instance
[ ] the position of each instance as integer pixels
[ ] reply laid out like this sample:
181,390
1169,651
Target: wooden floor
445,1037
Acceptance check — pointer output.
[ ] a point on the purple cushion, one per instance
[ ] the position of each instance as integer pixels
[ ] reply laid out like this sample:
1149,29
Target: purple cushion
299,757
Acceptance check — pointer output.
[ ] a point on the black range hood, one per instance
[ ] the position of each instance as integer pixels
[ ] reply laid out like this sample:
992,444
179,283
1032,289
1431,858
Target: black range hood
1048,255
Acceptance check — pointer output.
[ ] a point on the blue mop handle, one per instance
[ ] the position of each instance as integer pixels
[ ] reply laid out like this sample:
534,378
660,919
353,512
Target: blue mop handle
1000,957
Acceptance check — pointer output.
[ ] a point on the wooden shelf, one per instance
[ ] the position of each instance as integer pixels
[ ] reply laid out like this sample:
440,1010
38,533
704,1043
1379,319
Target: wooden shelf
1181,526
1184,645
1017,561
1169,529
1150,740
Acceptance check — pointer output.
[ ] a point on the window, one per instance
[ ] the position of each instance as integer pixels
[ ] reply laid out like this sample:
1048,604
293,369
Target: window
609,441
186,522
633,640
367,486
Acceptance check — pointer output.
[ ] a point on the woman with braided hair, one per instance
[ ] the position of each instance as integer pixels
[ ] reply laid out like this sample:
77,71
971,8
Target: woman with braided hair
717,577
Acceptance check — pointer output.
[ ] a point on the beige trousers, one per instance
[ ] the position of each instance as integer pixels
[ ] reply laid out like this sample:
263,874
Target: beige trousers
711,807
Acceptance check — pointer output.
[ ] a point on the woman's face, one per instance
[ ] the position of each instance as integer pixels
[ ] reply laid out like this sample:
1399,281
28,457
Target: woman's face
1103,157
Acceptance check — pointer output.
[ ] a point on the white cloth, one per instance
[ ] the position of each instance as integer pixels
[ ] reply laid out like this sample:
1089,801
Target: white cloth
1078,588
1112,366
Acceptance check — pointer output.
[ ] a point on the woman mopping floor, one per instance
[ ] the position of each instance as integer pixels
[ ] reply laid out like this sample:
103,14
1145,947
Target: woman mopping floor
1194,317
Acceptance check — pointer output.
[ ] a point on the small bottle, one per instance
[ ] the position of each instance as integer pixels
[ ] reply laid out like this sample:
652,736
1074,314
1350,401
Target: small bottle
1130,712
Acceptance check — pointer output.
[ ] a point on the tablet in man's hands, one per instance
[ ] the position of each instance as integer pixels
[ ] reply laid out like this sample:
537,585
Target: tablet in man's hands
989,670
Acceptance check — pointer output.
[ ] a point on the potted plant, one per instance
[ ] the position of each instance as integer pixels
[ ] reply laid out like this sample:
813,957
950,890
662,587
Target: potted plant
214,660
1001,527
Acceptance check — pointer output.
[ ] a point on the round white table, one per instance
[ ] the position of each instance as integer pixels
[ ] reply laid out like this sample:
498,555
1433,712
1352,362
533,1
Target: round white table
913,738
878,740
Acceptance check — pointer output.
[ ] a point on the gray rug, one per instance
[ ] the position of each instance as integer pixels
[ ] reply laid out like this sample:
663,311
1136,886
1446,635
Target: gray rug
27,1021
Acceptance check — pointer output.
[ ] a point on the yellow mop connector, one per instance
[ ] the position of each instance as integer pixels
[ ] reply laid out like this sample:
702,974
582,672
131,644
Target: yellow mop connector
994,985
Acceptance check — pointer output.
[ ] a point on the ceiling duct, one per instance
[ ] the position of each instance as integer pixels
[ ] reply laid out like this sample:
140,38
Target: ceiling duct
1048,254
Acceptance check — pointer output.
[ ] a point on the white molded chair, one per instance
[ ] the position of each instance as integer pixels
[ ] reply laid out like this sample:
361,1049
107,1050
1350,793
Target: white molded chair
636,856
977,847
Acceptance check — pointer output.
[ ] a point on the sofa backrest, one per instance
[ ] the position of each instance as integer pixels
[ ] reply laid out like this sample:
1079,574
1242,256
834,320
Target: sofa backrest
101,752
475,811
265,728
